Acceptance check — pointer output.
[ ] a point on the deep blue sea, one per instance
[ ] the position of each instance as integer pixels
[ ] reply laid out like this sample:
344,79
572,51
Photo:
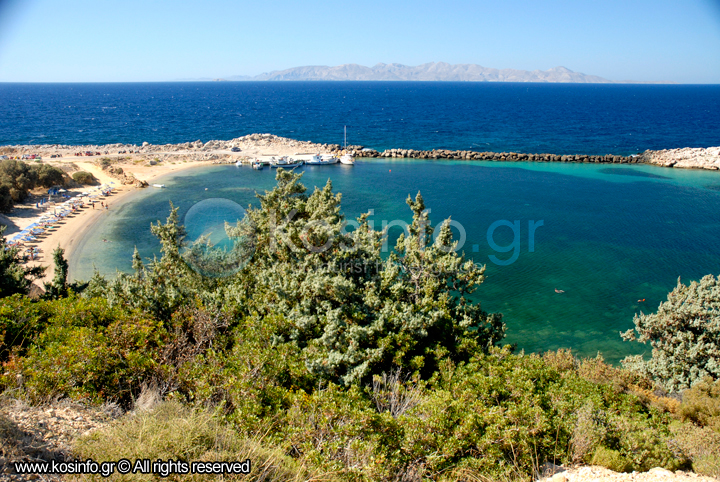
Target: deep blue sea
520,117
610,235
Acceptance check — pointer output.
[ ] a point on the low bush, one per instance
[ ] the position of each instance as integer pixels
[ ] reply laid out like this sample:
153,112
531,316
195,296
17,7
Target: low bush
84,177
701,404
701,445
77,348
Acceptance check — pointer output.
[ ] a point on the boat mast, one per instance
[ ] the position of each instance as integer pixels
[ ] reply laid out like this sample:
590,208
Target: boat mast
345,146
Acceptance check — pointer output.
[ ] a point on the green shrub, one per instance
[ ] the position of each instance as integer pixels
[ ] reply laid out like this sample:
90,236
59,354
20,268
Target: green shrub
684,335
21,320
84,177
500,415
18,177
611,459
49,176
80,349
6,200
171,431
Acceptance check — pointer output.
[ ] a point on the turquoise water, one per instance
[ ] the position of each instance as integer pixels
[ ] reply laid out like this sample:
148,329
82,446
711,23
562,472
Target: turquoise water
610,236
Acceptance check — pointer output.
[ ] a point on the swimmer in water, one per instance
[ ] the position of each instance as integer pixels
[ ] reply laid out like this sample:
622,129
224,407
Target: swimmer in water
559,291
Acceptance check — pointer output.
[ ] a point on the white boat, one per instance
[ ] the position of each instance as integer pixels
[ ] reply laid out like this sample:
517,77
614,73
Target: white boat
315,160
346,158
285,162
239,163
158,185
329,159
257,165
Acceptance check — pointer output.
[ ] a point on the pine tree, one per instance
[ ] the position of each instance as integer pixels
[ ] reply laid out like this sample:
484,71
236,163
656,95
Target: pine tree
353,313
58,287
137,264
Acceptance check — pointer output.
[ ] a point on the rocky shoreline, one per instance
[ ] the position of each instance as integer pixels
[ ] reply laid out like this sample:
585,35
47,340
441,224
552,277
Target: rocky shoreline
268,144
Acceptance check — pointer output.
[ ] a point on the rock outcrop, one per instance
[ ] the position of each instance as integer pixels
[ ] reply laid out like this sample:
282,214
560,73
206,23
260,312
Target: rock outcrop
690,158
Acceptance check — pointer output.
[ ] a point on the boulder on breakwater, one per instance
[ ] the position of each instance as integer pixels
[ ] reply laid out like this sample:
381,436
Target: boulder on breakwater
496,156
699,158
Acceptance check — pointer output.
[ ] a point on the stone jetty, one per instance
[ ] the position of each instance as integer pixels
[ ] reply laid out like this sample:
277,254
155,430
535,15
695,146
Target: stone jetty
680,158
268,144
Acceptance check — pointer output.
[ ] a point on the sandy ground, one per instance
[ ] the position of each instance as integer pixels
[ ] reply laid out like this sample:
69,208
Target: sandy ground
70,230
146,162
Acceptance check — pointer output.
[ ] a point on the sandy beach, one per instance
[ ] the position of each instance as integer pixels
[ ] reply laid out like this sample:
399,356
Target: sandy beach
70,231
139,166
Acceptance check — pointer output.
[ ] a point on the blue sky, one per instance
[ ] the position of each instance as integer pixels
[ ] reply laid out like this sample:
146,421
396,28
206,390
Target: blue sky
160,40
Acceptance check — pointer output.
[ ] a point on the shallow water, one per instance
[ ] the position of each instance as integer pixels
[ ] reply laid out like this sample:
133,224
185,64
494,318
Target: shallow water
610,236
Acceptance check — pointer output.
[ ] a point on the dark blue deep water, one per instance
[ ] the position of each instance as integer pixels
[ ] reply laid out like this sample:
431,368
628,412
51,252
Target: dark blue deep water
611,235
521,117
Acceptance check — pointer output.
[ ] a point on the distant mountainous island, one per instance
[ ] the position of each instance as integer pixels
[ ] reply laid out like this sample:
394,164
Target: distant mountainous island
433,71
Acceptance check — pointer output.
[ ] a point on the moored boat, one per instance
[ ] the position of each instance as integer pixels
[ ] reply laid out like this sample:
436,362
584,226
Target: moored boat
318,159
285,162
309,159
328,159
346,158
257,165
315,160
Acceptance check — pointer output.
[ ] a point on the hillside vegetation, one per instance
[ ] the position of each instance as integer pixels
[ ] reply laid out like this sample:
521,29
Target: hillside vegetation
306,351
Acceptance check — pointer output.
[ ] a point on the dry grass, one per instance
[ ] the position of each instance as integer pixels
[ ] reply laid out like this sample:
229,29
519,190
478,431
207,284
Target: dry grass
171,431
701,444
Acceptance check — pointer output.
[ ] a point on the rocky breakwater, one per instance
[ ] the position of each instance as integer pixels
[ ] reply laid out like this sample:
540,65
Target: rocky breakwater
681,158
496,156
